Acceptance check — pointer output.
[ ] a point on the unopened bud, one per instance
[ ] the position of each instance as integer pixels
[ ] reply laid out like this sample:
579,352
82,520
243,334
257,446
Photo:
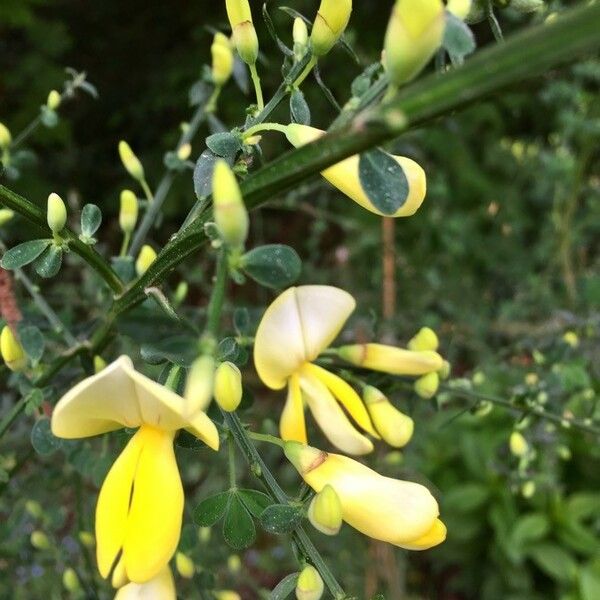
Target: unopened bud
181,292
393,426
330,23
230,213
185,565
227,595
222,59
184,151
86,538
34,508
445,371
300,37
528,489
427,386
129,211
244,34
12,351
53,101
145,258
426,339
199,384
234,564
414,34
5,137
204,534
325,511
228,386
310,585
70,580
571,339
99,363
459,8
130,161
56,213
518,444
6,215
39,540
564,452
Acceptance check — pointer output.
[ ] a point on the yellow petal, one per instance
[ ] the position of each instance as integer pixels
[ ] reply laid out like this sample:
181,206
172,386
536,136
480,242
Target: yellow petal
331,418
203,428
391,510
345,174
154,521
346,395
113,505
161,587
395,427
435,536
291,424
296,328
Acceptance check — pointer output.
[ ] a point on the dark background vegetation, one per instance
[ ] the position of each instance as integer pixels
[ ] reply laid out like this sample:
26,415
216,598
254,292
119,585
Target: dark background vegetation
502,260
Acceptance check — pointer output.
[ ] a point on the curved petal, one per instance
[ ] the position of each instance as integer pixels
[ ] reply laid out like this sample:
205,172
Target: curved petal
101,403
112,508
331,418
346,395
296,328
161,587
435,536
156,510
291,424
204,429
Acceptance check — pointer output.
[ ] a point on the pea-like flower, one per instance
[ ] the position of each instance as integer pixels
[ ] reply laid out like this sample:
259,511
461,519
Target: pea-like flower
161,587
295,329
140,506
402,513
345,174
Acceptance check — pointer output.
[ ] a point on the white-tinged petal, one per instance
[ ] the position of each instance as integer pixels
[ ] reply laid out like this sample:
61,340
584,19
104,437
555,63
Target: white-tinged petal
162,587
296,328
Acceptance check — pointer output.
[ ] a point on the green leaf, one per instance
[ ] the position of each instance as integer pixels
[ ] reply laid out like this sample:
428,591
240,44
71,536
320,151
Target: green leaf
33,401
23,254
48,117
91,218
529,528
383,180
285,587
124,267
225,144
274,266
299,110
33,342
49,263
466,498
203,172
255,501
589,580
180,350
459,40
280,518
211,509
554,561
238,528
44,442
241,320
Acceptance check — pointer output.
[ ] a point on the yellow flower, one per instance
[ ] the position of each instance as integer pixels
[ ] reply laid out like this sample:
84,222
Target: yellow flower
427,386
222,59
161,587
130,161
426,339
393,426
294,330
330,23
244,34
140,506
310,584
145,258
325,511
12,351
345,174
414,33
402,513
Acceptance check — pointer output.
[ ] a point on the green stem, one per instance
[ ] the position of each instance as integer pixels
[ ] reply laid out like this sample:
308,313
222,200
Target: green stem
231,461
257,87
307,70
493,21
147,192
215,305
265,437
300,537
125,244
264,127
27,131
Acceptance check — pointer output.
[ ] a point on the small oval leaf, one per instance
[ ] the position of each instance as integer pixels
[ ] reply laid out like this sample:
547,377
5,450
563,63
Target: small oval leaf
299,110
285,587
238,528
255,501
44,442
49,263
91,219
33,342
280,518
23,254
224,144
274,266
211,509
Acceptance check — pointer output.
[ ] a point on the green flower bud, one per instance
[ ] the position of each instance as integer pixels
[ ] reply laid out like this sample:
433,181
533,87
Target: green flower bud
87,539
12,352
145,258
39,540
426,339
230,213
34,508
185,565
204,534
325,511
445,371
56,213
427,386
571,339
330,23
54,100
6,215
5,137
70,580
300,37
234,564
181,292
518,444
129,211
99,363
528,489
228,386
414,34
310,585
130,161
244,34
222,59
199,384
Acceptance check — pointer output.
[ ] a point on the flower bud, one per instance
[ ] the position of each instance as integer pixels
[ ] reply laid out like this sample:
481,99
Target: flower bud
518,444
528,489
54,100
12,351
426,339
522,6
571,339
390,359
228,386
392,425
300,37
34,508
145,258
6,215
39,540
87,539
70,580
5,137
222,59
427,386
130,161
99,363
445,371
199,384
184,151
185,565
244,34
129,211
227,595
310,585
204,534
414,33
181,291
325,511
230,213
459,8
234,564
56,213
330,23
